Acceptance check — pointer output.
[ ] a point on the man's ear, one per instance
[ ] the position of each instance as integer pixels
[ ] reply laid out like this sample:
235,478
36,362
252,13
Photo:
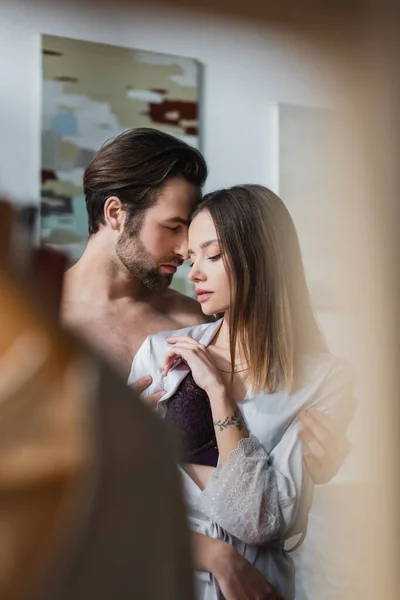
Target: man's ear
114,213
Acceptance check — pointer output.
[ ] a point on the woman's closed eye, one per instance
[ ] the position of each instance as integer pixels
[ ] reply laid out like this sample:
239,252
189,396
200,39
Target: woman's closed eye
212,258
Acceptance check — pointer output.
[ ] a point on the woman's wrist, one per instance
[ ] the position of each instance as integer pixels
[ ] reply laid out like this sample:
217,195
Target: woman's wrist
218,394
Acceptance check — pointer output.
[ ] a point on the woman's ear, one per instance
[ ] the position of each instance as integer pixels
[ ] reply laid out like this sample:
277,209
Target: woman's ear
114,213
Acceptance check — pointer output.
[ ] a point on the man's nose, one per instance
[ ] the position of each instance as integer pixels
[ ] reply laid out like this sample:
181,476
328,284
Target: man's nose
182,248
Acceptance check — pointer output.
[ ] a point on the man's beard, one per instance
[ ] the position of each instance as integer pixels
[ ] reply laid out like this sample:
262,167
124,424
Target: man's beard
141,264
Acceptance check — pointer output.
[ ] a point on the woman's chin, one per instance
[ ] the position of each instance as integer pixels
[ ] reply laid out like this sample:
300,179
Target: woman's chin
207,311
211,310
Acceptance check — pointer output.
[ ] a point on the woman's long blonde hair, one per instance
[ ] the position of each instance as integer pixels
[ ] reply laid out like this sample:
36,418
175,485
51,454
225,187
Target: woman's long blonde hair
271,316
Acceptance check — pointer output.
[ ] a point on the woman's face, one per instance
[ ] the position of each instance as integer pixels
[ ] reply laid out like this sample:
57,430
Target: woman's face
208,272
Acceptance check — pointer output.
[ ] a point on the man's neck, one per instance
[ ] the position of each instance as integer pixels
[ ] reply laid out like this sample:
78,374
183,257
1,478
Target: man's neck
100,279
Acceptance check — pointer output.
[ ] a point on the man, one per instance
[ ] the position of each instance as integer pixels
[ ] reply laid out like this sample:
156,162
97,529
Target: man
141,189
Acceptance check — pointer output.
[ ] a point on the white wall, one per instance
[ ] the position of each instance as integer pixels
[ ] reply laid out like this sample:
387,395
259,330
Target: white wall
246,69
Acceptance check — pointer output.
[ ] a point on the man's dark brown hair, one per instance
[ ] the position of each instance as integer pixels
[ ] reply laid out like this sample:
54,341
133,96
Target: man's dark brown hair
133,167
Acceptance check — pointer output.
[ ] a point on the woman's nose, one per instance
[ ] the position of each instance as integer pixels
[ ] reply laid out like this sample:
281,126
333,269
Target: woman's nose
195,274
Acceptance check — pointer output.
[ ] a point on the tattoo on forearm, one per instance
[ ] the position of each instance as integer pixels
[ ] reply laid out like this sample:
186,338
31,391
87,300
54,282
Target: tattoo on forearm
235,420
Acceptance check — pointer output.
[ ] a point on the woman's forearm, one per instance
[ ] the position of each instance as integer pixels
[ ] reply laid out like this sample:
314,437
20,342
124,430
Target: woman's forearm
229,424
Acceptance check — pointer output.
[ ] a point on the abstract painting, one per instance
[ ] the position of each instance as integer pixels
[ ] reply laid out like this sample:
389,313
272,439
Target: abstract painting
93,92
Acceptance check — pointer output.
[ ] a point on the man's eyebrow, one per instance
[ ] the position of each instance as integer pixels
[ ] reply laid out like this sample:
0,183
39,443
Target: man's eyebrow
177,220
204,245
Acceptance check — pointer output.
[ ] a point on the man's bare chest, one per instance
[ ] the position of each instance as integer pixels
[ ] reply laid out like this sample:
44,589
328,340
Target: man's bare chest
118,334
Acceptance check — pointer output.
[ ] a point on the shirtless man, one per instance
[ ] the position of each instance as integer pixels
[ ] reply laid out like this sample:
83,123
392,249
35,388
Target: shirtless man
140,191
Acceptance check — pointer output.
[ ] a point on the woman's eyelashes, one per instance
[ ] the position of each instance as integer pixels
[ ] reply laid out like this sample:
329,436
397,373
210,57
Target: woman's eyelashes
212,258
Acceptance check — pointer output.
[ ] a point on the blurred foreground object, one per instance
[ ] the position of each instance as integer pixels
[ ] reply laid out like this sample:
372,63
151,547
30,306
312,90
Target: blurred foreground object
90,503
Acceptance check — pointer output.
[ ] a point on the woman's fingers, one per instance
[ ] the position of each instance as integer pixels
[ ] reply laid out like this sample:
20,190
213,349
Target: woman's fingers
328,433
183,338
327,445
323,420
314,426
315,468
181,343
187,352
336,436
182,350
188,346
313,444
186,341
177,352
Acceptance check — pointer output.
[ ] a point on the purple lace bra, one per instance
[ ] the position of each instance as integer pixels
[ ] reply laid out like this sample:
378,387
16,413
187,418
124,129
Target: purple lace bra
189,413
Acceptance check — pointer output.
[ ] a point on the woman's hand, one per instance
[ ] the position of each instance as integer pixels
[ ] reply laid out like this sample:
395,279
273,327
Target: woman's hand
228,422
327,445
198,359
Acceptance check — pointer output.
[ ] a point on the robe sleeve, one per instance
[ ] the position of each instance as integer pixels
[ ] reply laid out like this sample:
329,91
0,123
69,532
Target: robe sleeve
259,496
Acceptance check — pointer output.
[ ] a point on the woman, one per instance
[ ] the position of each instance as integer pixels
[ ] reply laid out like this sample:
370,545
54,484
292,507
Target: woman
234,387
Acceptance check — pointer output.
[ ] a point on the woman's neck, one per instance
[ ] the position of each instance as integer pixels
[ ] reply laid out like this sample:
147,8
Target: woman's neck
221,343
221,339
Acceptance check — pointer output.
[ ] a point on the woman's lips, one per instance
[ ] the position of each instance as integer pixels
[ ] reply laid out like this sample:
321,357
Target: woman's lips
203,295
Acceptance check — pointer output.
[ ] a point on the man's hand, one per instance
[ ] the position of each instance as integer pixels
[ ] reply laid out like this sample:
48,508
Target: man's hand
142,384
239,580
236,577
327,445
